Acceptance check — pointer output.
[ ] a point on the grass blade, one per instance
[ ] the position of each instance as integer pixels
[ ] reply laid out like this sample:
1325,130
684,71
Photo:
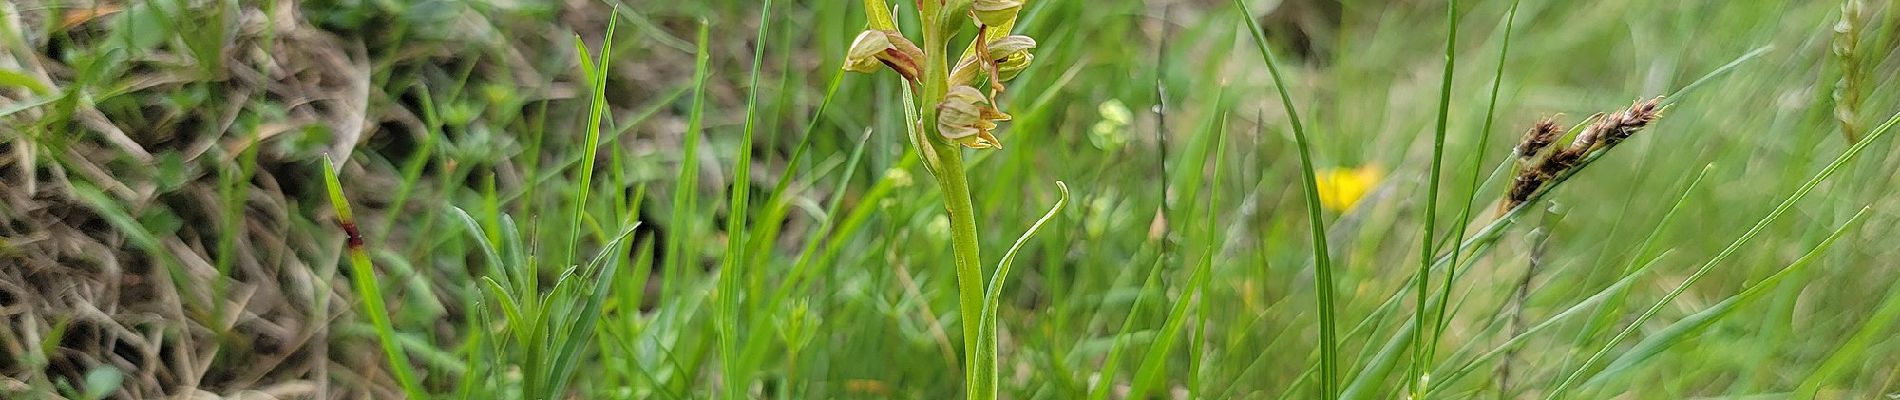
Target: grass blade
679,251
363,273
1609,295
1426,248
1472,186
608,262
1154,367
737,377
984,375
597,107
1322,264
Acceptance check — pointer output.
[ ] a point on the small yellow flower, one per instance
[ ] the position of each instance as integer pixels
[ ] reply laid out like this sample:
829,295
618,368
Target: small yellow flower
1342,188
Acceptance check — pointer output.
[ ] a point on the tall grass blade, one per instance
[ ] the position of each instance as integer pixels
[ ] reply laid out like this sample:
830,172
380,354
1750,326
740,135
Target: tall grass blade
1322,261
1426,248
737,379
1153,369
1112,364
1510,344
1472,186
364,275
984,373
597,72
679,252
1725,69
1609,295
1855,349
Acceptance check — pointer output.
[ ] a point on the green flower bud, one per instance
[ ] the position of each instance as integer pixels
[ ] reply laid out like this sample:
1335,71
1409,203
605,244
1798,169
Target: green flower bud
864,51
1011,45
1011,55
875,48
996,12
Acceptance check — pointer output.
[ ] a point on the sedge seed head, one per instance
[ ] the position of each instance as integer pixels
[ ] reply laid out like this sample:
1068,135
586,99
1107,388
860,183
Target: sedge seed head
1538,138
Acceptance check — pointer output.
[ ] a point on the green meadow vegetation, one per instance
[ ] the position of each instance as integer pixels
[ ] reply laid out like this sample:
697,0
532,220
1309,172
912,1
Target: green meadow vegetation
1021,199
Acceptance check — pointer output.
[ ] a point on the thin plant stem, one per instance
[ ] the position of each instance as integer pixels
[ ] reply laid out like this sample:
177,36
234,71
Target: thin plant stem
952,181
1419,352
1471,187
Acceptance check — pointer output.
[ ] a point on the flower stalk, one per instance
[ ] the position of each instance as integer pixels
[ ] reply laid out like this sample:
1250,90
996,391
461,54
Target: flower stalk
953,113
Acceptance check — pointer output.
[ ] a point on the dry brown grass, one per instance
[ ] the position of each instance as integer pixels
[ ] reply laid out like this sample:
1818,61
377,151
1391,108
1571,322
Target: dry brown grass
108,257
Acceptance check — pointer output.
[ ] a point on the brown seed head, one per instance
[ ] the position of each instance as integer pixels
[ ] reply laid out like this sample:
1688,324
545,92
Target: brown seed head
1606,130
1539,137
1623,124
1526,184
1565,157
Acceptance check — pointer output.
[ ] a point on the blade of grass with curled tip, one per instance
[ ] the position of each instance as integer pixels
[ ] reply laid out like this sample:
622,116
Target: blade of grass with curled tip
482,241
363,273
984,374
1799,194
1694,324
1322,265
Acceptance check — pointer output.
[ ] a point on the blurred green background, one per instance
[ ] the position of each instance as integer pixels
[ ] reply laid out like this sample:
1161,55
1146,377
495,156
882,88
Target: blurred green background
164,230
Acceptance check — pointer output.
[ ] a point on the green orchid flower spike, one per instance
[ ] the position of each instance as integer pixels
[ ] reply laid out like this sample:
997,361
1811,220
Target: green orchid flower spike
965,115
946,111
